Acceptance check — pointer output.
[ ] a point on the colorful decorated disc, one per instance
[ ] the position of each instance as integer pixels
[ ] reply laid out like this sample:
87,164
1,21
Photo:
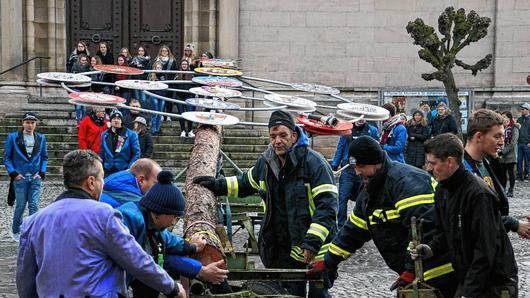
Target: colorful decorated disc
218,71
58,84
363,109
64,77
314,88
224,63
119,69
306,109
343,128
96,98
215,91
142,85
210,118
209,103
290,101
217,81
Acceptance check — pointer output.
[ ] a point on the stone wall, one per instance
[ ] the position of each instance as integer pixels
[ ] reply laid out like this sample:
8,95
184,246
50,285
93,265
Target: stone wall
364,43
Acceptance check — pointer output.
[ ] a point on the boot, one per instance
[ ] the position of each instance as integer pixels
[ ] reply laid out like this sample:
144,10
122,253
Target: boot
509,193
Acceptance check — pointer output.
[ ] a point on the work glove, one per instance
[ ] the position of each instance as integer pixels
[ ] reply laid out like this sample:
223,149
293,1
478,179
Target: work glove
217,186
421,251
317,268
404,279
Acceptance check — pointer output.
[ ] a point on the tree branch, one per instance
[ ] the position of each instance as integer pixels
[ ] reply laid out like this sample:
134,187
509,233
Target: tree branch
479,66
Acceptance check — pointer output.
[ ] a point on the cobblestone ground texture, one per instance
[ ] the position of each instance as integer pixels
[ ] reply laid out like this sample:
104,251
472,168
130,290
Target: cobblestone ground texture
363,275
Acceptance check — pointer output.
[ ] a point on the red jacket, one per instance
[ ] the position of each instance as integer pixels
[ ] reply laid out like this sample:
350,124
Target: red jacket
89,135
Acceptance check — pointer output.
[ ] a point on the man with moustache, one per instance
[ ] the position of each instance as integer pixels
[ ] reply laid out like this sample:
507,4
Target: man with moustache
393,193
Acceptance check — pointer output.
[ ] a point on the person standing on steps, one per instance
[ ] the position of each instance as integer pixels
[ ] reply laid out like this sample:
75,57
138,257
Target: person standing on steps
507,156
25,158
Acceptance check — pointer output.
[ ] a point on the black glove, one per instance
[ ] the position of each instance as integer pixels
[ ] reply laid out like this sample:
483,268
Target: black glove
217,186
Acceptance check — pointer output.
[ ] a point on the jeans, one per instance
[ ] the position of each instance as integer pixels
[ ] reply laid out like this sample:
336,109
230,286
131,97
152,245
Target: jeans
140,95
349,187
80,112
27,191
156,105
185,108
523,157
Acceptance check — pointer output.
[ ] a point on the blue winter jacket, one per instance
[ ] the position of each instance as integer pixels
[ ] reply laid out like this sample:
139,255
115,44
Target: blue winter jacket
175,246
17,161
341,154
397,143
120,188
128,154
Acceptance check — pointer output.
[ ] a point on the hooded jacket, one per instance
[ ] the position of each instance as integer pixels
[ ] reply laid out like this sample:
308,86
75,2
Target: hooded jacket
340,158
89,134
120,188
306,186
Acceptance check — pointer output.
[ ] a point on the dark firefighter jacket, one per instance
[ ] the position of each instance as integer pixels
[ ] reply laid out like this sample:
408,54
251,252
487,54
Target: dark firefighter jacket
384,216
510,223
306,186
469,225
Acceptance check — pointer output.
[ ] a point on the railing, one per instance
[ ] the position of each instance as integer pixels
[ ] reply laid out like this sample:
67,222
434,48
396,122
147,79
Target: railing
26,62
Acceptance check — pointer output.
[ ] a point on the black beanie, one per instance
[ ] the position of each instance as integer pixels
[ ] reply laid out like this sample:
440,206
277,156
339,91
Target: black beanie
280,117
365,151
164,197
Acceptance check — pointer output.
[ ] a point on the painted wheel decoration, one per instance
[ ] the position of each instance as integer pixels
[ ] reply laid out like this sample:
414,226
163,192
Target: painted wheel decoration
119,69
142,85
217,81
218,71
215,91
64,77
293,103
209,103
224,63
343,128
210,118
315,88
44,82
95,99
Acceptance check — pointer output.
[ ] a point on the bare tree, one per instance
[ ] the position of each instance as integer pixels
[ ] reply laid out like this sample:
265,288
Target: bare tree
458,30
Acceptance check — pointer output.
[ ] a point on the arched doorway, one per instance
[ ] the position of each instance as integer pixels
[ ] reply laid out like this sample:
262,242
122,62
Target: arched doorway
126,23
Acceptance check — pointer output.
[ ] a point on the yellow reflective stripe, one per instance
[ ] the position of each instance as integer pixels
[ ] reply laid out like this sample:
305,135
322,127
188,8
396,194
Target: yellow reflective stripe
264,206
359,222
324,188
253,182
297,253
311,200
232,186
334,249
434,183
318,230
322,252
262,185
414,201
384,215
438,271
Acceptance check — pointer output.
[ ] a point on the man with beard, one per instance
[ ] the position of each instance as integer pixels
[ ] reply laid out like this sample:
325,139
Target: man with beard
485,130
393,194
469,225
129,116
299,192
120,147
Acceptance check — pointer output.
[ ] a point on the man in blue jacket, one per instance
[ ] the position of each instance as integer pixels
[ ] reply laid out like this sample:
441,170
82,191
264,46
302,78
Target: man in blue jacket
394,135
120,147
25,158
79,247
147,221
349,183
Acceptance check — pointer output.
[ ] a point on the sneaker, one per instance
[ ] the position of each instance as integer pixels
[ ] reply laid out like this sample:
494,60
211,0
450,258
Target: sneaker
509,193
168,119
183,134
16,237
191,134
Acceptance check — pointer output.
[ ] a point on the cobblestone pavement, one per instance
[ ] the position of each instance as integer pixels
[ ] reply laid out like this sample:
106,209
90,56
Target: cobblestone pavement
363,275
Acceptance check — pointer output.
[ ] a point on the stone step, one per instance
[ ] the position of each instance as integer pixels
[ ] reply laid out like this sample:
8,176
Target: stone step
48,99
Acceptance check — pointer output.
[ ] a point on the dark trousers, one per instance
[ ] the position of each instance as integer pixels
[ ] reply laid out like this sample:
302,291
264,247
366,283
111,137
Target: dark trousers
140,290
508,289
507,172
349,187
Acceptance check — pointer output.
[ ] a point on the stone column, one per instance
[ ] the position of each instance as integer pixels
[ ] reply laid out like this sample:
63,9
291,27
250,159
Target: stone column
12,38
228,28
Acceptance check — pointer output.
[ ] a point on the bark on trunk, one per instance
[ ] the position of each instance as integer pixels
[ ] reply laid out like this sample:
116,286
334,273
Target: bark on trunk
201,204
454,102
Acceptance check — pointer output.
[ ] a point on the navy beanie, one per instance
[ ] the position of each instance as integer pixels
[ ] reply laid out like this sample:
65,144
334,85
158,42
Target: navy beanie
284,118
365,151
116,113
164,197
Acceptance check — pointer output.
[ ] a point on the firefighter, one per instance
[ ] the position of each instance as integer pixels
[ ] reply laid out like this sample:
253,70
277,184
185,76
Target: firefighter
393,193
469,225
300,198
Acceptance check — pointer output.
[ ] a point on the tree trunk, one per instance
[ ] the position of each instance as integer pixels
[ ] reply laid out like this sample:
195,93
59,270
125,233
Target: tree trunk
201,204
454,102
